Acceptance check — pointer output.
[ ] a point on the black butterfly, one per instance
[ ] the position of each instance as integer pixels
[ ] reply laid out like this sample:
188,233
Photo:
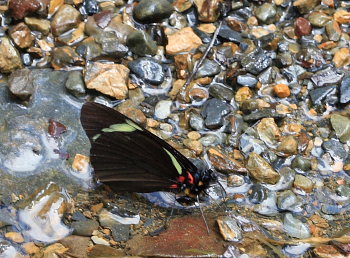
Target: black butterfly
129,158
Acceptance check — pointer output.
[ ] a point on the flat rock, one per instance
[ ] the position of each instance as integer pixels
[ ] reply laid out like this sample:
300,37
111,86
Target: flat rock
185,236
110,79
77,245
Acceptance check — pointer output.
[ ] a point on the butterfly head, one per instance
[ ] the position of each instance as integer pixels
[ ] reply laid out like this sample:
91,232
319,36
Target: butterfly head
201,182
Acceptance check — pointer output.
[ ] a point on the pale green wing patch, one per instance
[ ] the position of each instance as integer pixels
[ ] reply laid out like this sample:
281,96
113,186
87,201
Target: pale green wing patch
133,124
119,128
174,161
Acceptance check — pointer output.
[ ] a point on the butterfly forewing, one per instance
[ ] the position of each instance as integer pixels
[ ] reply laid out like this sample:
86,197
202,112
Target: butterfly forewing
126,156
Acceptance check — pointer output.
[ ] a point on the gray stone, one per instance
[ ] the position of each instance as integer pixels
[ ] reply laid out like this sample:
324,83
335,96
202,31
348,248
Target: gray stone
141,44
149,69
265,12
295,228
221,92
213,112
341,126
75,84
319,94
256,61
335,149
247,80
149,11
21,83
84,228
345,89
208,68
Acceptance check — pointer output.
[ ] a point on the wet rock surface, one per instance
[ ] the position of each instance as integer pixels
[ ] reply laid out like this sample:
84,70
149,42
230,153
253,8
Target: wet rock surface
256,90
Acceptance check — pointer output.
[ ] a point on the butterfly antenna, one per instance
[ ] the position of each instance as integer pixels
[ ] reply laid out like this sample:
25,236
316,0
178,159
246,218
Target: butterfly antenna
205,221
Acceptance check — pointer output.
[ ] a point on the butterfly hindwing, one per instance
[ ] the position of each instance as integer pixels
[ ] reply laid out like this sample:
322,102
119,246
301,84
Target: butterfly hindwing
128,157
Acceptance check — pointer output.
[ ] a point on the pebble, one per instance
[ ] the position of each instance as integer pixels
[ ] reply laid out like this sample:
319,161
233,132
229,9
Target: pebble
208,68
335,149
288,145
342,57
84,228
9,56
247,80
163,109
345,90
261,170
66,18
21,83
110,79
295,228
341,126
222,92
268,131
319,95
99,241
301,163
75,84
213,112
229,34
302,27
21,8
303,183
257,193
21,35
265,13
15,236
281,90
149,69
196,122
150,11
141,43
183,40
287,200
256,61
229,229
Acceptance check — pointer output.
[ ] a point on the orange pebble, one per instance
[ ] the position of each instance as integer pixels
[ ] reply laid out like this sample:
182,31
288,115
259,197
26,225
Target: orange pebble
282,90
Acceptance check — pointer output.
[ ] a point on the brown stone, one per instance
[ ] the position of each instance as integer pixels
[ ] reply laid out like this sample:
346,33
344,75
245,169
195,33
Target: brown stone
102,19
198,93
63,57
207,27
243,94
289,145
328,251
21,35
77,245
208,11
303,183
281,90
182,63
182,5
15,236
40,25
66,18
342,16
9,56
342,57
268,130
73,37
110,79
183,40
97,208
304,6
236,24
81,163
261,170
54,6
302,27
21,8
333,31
224,163
136,115
31,248
177,86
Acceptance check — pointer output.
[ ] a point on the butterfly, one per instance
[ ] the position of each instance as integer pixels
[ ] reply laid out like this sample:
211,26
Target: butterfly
128,158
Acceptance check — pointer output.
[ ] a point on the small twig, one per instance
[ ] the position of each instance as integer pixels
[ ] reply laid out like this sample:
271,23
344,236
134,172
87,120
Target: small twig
199,63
